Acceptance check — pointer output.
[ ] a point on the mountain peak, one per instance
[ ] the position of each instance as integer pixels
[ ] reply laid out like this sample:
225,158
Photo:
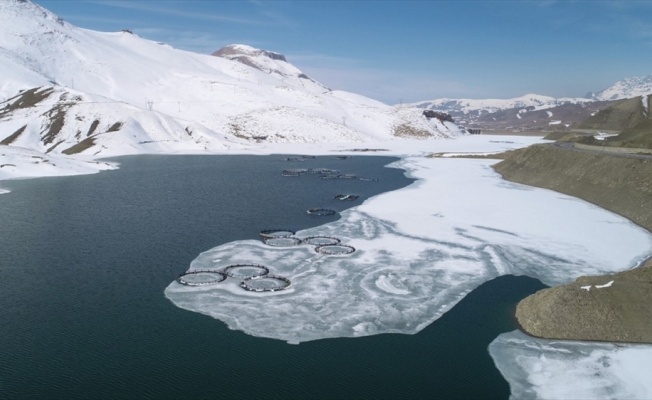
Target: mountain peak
234,50
263,60
29,9
626,89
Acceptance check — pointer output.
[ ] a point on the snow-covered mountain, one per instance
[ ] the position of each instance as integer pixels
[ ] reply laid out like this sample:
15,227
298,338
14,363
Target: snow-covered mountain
75,91
536,112
528,112
486,106
625,89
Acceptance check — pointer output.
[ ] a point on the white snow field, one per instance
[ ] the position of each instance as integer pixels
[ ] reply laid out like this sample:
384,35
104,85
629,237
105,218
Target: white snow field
118,93
553,369
419,250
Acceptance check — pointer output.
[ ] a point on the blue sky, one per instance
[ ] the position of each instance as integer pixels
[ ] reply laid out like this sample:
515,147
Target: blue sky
406,51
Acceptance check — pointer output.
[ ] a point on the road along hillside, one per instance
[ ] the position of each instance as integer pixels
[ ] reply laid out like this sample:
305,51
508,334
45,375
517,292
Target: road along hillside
619,182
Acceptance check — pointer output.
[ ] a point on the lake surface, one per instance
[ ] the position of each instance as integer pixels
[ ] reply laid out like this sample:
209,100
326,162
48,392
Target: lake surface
85,261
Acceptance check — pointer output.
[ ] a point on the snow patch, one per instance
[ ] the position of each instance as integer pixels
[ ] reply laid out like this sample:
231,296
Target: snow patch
553,369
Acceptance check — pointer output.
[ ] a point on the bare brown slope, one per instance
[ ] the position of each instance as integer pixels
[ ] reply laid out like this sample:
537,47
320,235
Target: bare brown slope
612,308
617,183
620,183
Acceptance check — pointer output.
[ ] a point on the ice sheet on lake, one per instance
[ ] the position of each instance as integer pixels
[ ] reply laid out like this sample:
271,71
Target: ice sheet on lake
550,369
420,250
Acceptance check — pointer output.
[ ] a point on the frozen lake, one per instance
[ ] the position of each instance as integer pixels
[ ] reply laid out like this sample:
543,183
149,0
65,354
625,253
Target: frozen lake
87,261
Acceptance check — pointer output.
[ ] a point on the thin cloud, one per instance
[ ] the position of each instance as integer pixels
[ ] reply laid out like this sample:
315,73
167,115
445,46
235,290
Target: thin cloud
158,8
390,87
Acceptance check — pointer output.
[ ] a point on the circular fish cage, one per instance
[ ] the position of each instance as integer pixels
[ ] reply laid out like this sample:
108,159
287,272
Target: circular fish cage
201,278
321,240
320,171
245,270
347,176
287,241
320,211
336,249
347,197
293,172
268,283
276,233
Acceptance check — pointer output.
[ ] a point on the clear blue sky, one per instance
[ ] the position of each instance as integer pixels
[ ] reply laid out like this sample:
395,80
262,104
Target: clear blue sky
406,51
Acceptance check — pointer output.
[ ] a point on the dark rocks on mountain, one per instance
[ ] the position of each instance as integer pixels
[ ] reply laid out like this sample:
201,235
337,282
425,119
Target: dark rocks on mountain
228,51
442,116
26,99
11,138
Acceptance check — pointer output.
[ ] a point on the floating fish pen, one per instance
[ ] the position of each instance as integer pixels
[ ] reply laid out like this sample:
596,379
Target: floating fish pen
347,197
336,249
276,233
300,158
369,179
269,283
321,240
322,212
293,172
201,278
245,270
322,171
339,176
287,241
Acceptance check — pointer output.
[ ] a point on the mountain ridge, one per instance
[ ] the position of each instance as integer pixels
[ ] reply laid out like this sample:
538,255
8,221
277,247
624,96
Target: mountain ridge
113,93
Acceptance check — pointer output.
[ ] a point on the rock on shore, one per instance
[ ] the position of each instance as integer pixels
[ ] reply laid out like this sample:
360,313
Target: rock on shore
611,308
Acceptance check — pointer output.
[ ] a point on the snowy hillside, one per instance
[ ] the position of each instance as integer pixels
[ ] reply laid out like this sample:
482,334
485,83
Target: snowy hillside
626,89
528,112
487,106
74,91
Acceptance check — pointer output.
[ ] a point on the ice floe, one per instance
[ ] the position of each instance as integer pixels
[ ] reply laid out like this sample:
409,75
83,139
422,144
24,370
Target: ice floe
419,251
553,369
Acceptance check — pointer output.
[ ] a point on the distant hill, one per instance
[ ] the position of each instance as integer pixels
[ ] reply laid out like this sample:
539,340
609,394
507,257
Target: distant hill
630,117
625,89
533,112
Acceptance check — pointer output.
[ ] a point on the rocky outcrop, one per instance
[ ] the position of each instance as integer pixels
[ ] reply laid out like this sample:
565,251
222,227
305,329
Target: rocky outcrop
263,60
612,308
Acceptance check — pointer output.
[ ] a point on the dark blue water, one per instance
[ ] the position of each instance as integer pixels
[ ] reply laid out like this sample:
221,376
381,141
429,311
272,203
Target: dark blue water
85,260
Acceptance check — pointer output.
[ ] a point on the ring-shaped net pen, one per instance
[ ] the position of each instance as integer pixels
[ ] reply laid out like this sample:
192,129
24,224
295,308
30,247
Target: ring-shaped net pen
276,233
321,240
268,283
283,241
336,249
201,278
245,270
